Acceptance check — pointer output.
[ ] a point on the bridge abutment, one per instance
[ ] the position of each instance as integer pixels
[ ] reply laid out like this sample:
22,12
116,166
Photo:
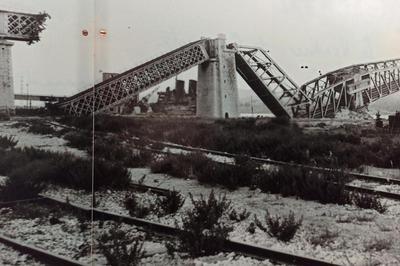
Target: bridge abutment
217,91
6,78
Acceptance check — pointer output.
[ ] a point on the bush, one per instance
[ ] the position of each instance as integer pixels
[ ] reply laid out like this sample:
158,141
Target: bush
112,150
238,217
7,142
120,249
179,165
77,173
309,185
26,182
282,227
229,176
366,201
170,203
79,139
203,232
41,128
26,210
378,244
135,208
323,238
11,159
278,139
65,169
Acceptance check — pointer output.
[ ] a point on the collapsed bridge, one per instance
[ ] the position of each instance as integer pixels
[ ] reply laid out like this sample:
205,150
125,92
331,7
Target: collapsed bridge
352,87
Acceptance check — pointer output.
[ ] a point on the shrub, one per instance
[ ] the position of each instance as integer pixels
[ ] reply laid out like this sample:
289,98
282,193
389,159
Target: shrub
251,228
11,159
120,249
323,238
19,125
229,176
41,128
135,208
169,165
79,139
7,142
238,217
282,227
279,139
111,149
308,185
366,201
65,169
26,182
32,211
77,173
179,165
378,244
170,203
203,232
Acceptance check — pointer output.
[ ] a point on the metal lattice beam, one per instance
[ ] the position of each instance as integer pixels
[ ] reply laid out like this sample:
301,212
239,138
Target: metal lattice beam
123,87
352,87
268,80
21,26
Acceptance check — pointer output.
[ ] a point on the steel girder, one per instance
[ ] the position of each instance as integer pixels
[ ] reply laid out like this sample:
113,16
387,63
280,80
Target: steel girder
268,80
21,26
352,87
122,87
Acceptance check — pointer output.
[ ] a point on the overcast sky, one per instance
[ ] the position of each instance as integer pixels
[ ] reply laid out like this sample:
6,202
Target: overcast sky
323,34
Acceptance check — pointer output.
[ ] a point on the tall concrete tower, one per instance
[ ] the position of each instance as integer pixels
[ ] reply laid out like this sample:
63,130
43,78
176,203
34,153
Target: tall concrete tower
6,78
217,90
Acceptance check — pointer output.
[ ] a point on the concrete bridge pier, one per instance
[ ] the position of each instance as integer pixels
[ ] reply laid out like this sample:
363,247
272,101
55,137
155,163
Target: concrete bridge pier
6,79
217,90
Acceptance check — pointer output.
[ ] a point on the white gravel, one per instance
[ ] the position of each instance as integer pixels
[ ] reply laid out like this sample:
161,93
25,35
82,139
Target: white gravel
44,142
356,227
11,257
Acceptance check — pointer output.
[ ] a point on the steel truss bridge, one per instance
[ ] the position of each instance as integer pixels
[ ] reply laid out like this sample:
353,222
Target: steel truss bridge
352,87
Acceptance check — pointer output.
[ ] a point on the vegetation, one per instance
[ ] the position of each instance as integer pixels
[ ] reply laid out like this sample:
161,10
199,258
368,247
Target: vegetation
179,165
136,208
282,227
323,238
308,185
79,139
171,203
41,127
203,231
26,182
120,249
366,201
239,216
277,139
7,142
30,169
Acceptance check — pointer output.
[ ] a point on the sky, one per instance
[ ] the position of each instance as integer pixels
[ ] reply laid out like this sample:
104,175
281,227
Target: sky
322,34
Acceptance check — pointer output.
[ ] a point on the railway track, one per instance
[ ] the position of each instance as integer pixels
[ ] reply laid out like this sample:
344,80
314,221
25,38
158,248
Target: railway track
359,176
378,179
352,188
149,226
230,246
371,178
38,253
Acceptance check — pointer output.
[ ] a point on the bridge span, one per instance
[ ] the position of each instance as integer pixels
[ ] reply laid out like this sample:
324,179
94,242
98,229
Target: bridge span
352,87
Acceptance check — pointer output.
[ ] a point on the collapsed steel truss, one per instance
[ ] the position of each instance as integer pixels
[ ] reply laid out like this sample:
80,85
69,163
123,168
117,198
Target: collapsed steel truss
123,87
352,87
274,87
